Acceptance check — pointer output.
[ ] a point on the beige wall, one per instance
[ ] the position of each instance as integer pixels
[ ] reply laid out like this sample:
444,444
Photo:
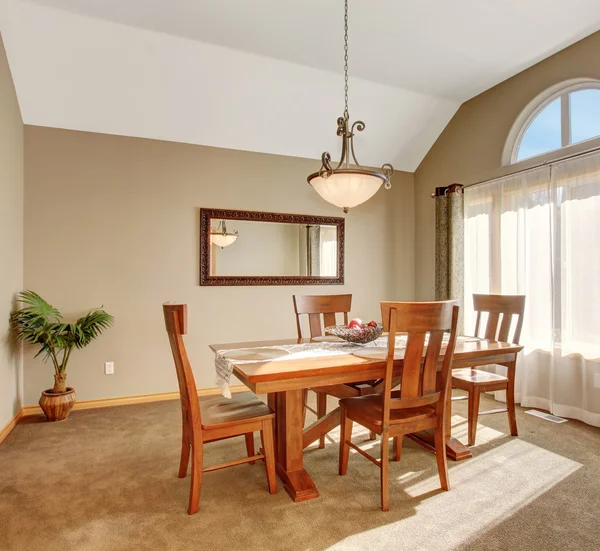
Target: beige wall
11,239
114,221
470,148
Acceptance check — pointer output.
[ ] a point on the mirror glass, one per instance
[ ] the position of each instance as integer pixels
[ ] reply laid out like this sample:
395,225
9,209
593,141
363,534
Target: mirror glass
250,248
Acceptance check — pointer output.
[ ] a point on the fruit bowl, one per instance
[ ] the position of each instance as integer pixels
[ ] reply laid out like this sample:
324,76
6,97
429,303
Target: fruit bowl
357,335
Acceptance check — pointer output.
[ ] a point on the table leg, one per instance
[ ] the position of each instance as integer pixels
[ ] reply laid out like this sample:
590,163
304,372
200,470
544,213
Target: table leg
289,445
455,449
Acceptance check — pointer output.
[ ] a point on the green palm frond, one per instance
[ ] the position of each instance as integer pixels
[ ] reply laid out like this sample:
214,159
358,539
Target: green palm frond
36,314
36,303
90,326
39,323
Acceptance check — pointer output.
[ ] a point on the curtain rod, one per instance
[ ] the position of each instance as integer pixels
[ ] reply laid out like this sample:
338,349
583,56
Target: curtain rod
541,165
529,169
445,190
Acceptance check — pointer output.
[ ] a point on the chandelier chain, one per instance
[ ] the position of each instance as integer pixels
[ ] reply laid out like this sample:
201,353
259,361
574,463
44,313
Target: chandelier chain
348,185
346,113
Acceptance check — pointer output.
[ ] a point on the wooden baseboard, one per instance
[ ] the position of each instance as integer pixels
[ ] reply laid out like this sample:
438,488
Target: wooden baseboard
11,425
129,400
111,402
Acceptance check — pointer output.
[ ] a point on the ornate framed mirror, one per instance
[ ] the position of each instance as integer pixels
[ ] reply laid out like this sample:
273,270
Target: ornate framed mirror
268,248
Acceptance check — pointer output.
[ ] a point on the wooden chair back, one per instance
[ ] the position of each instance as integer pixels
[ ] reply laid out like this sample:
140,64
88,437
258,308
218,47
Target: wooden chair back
507,306
176,325
317,306
420,384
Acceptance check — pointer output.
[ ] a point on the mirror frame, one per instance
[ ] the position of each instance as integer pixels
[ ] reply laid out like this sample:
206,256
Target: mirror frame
206,279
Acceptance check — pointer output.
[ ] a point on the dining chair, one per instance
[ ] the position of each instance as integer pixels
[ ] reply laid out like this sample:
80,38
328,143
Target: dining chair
420,404
214,419
475,381
322,311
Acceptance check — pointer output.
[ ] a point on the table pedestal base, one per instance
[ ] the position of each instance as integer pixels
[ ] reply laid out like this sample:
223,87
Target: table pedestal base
455,449
298,484
289,445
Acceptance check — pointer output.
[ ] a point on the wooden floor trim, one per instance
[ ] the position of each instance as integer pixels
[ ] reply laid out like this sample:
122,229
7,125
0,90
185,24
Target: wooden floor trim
129,400
111,402
11,425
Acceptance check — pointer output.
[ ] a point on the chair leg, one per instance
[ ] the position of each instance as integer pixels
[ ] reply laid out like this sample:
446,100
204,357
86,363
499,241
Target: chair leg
385,472
185,453
510,400
269,451
397,450
321,412
474,396
250,445
372,435
196,481
346,435
439,436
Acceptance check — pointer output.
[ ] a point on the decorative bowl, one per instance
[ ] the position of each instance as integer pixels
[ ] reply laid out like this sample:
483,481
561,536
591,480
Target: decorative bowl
357,335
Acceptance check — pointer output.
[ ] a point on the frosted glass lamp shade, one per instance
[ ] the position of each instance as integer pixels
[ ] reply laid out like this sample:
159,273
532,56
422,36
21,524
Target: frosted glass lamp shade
346,189
223,240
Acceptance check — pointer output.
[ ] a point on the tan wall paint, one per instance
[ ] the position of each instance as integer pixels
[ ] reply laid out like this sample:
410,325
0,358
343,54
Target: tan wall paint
114,221
470,148
11,239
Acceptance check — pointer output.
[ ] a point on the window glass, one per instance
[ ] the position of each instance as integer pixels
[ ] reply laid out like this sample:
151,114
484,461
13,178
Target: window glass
543,134
585,115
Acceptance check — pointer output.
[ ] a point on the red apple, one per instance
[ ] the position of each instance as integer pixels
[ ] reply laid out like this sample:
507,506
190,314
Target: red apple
372,324
355,323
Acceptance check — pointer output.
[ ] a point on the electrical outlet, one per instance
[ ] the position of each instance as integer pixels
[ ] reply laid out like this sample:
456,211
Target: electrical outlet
596,380
109,368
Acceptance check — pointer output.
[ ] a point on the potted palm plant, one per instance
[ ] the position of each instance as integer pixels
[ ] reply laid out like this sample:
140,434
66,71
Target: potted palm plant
41,324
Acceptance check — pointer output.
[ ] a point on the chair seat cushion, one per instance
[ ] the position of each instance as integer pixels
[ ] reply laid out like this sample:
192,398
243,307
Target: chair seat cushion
243,406
370,408
477,376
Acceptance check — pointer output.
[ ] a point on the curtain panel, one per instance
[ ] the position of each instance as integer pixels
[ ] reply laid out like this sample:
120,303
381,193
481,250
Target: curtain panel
449,244
538,233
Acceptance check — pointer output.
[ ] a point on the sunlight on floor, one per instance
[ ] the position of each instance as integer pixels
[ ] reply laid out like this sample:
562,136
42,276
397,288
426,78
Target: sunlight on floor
409,475
484,434
484,491
459,430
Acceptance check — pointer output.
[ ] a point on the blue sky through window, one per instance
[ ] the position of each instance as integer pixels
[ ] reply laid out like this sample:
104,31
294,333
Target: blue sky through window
585,115
543,133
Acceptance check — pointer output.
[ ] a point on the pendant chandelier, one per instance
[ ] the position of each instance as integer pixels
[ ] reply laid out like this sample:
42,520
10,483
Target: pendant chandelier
347,185
221,237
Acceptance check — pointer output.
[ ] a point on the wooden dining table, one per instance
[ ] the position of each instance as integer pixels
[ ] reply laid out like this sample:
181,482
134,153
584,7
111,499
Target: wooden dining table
285,381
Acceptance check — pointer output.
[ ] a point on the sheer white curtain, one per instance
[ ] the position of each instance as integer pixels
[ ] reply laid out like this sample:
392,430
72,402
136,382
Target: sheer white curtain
328,251
538,234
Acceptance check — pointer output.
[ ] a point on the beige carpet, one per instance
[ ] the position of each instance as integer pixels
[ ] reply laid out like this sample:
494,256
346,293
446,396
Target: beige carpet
106,480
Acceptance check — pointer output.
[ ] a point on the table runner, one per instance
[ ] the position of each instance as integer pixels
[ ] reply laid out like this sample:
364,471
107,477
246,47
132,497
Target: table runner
224,366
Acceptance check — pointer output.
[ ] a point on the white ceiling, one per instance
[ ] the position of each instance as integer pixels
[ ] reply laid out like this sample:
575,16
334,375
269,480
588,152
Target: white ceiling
264,75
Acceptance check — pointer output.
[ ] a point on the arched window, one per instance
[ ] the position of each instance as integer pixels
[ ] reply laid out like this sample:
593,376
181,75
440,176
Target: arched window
562,118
